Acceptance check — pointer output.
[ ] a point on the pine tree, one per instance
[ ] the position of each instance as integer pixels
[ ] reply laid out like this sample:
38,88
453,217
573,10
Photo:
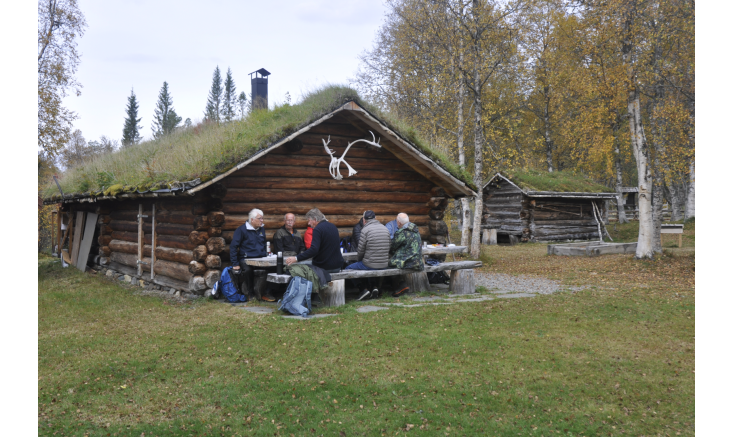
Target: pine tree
229,99
131,130
242,104
165,119
214,101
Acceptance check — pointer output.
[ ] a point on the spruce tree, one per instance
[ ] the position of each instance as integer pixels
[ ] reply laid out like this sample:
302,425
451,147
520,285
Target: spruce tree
229,99
165,118
214,101
131,129
242,104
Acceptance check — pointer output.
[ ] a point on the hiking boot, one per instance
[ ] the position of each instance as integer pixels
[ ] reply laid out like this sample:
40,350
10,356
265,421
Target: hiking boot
268,298
365,295
402,289
375,294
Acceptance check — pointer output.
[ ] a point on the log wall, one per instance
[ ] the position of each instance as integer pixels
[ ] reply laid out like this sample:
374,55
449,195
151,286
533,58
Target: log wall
511,212
193,233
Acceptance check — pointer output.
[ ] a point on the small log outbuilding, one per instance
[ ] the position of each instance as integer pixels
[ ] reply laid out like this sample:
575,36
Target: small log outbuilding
184,231
533,206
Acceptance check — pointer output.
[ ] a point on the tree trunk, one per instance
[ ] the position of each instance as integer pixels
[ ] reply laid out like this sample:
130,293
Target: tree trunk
644,249
689,207
479,140
622,218
547,133
675,201
464,219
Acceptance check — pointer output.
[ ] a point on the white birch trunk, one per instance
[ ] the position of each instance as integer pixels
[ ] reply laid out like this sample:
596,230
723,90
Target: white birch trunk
644,249
645,206
689,211
479,140
547,135
465,219
622,218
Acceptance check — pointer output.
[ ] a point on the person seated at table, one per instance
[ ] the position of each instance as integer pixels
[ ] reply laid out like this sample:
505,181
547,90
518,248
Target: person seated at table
324,250
249,242
372,253
355,237
405,251
392,227
287,239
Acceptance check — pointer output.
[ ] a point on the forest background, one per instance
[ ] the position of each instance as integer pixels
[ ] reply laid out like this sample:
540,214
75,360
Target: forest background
600,88
580,155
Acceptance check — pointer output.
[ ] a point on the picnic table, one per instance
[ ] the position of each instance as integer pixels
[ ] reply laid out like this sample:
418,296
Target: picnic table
270,261
462,280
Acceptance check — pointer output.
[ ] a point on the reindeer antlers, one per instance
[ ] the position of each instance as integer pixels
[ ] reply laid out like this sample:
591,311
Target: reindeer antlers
334,165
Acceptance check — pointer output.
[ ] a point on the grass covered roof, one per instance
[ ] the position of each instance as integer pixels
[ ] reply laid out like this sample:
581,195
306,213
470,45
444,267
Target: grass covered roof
558,181
210,149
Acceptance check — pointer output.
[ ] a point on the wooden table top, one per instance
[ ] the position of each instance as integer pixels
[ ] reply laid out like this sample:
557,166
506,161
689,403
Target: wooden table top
270,261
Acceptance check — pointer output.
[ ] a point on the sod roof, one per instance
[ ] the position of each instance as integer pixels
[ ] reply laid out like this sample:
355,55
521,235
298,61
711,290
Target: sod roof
531,181
189,157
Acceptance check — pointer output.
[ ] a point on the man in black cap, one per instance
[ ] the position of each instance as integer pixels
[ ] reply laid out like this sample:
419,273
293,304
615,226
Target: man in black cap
372,253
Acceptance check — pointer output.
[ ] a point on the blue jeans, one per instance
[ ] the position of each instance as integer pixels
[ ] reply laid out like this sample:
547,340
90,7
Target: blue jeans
361,283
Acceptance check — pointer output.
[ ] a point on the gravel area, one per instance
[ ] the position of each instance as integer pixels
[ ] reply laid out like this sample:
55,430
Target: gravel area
502,283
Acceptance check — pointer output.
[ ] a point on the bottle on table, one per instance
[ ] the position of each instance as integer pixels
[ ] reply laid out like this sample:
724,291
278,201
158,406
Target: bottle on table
279,264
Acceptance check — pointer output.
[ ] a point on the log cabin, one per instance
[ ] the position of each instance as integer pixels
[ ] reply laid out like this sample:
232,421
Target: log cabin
539,206
182,230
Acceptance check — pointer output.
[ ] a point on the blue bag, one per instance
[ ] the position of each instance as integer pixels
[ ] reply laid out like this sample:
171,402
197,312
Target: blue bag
226,285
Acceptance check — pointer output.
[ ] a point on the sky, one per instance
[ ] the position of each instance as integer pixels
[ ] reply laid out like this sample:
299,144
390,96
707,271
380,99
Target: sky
140,44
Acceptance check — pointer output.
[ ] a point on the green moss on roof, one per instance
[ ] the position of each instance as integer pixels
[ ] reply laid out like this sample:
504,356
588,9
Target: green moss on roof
207,150
559,181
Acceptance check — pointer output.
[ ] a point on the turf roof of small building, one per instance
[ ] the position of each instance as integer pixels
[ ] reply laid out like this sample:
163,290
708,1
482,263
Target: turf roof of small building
205,151
557,181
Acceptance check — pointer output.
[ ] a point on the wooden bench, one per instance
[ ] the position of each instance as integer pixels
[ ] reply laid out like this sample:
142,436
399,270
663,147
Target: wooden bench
672,228
461,279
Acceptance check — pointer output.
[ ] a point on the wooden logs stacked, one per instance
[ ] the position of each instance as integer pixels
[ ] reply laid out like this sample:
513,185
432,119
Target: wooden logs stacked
437,228
188,239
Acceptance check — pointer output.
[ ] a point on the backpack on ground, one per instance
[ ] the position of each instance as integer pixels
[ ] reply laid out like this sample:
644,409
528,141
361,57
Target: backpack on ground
439,277
227,287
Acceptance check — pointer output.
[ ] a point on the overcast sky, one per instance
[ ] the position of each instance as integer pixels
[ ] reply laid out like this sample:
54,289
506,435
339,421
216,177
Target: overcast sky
139,44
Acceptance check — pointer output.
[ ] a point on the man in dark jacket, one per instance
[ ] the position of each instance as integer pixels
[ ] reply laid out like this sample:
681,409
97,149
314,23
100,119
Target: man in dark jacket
287,239
372,253
355,239
324,249
405,250
248,242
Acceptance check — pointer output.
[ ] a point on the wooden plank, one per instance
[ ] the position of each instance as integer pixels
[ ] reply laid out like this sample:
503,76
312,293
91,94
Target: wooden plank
275,221
77,236
346,184
270,195
323,161
327,208
141,237
262,170
153,238
86,244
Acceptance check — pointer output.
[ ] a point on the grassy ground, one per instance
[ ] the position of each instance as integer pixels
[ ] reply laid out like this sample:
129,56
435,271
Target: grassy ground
615,359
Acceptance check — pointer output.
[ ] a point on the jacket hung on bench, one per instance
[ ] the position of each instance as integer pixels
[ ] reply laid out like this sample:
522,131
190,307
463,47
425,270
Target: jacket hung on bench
297,298
319,277
405,249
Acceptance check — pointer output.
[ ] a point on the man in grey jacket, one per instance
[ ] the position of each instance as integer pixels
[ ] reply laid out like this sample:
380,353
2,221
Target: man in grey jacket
373,253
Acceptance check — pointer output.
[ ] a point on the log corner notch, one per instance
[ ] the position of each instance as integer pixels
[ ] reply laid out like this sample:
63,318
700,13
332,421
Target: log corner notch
437,228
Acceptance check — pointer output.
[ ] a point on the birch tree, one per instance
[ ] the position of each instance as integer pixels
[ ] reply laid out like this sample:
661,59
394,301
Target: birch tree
60,23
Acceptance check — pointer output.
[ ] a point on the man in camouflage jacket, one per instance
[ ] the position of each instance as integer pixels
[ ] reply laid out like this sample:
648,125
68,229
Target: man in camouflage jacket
405,250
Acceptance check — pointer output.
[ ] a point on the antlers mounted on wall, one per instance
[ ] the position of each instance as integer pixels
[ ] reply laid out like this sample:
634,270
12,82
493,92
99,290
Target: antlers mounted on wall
334,165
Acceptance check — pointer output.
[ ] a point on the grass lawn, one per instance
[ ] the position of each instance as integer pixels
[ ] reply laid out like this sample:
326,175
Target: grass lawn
614,359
